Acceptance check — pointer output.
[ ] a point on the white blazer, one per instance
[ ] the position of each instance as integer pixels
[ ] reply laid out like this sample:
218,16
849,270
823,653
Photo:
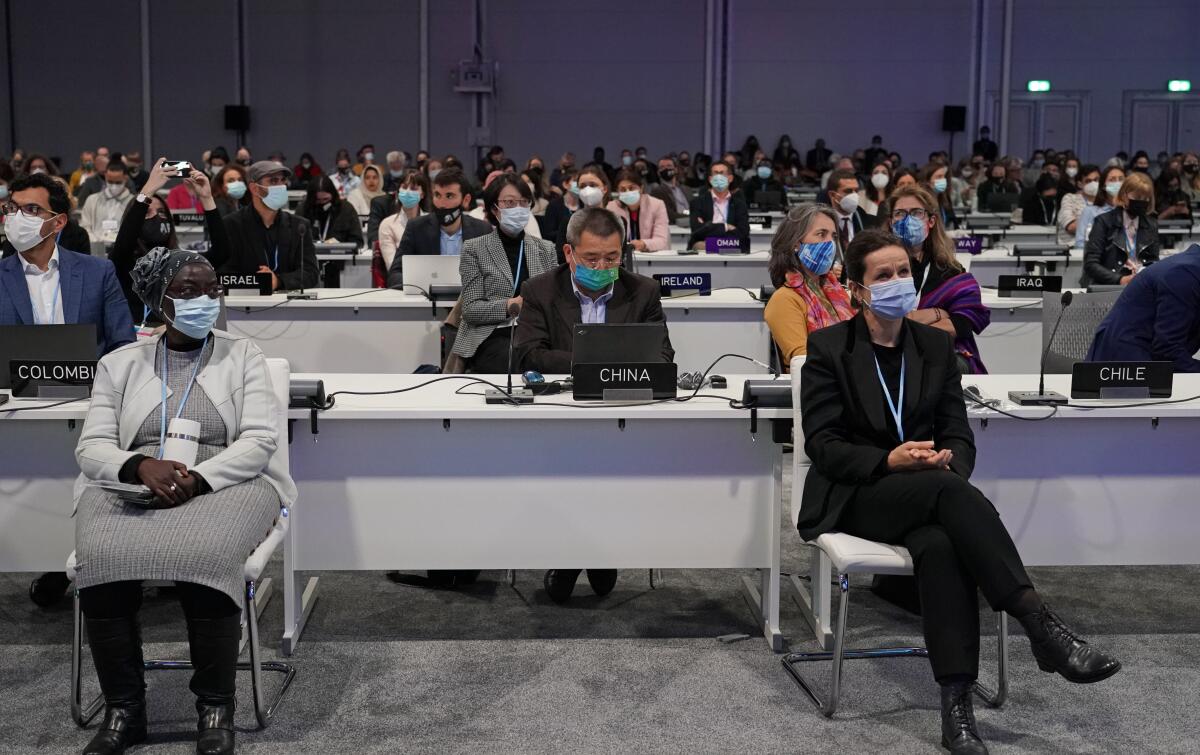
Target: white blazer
236,380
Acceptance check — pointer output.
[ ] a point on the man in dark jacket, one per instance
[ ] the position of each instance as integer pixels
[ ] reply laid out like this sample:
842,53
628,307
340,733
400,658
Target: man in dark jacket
266,238
719,212
442,231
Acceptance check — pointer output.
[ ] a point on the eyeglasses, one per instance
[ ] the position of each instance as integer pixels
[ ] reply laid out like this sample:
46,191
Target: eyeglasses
919,213
29,210
215,291
508,204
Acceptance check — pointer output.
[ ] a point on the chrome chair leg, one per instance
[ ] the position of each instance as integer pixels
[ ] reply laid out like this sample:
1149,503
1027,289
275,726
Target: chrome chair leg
511,576
996,699
656,579
82,715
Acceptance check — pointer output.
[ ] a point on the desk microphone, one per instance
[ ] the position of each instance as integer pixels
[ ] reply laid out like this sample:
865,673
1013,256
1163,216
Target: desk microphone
509,396
1041,398
301,294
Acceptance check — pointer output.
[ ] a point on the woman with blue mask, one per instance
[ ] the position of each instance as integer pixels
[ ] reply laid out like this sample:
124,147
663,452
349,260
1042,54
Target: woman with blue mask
493,268
885,427
808,296
230,189
935,178
948,297
266,238
763,180
1104,200
645,217
411,202
205,515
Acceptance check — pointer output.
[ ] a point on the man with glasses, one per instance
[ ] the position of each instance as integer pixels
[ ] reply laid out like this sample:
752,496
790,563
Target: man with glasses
589,288
44,284
266,238
442,231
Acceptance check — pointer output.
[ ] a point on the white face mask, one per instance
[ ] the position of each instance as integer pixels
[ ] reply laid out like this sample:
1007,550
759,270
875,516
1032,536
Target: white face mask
1091,188
880,180
115,190
591,196
849,203
24,232
1072,172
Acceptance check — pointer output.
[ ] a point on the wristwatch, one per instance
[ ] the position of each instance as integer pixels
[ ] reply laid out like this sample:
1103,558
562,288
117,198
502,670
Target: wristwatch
142,198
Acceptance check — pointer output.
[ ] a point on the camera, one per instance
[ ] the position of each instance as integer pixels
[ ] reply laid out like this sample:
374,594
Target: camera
184,167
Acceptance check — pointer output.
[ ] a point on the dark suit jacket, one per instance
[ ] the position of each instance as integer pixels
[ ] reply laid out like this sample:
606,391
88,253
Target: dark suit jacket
90,293
422,235
1105,252
544,337
1157,317
344,226
846,432
248,248
381,207
701,217
756,184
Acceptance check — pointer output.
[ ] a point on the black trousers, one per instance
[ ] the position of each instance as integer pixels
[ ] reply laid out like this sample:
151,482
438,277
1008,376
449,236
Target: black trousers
491,358
120,600
958,545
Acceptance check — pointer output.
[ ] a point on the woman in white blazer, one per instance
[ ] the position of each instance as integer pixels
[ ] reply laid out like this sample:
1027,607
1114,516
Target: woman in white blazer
647,227
412,201
202,521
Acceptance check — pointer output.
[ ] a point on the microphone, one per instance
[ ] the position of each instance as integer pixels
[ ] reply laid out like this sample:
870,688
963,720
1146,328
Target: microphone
301,293
1041,398
509,396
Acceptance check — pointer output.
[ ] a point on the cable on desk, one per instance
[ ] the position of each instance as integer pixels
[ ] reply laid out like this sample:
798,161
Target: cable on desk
4,408
985,405
255,310
752,295
1152,402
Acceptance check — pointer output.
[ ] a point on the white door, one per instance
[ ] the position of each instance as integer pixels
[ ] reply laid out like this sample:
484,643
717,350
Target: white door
1021,116
1150,127
1059,125
1188,139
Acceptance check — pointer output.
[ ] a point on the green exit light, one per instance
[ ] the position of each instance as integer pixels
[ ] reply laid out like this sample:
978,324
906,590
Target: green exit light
1179,85
1037,85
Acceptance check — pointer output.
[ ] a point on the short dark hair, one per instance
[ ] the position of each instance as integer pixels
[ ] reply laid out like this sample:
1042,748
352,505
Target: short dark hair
492,195
841,174
631,175
864,243
454,177
596,221
60,201
115,165
218,153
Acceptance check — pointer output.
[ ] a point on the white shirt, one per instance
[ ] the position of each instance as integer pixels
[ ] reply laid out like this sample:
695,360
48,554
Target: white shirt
846,221
45,295
721,208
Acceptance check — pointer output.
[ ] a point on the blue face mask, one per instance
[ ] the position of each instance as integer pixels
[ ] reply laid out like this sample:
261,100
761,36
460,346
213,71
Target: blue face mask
910,230
195,317
235,189
720,182
764,172
818,258
893,299
3,191
513,220
595,280
573,188
939,185
276,198
409,198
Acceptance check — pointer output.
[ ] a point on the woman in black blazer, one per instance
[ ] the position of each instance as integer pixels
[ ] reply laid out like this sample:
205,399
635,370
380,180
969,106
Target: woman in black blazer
900,476
1107,259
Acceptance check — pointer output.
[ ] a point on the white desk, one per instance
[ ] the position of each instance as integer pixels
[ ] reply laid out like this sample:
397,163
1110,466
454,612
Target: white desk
434,480
990,264
1012,343
760,238
744,270
1018,234
344,265
381,330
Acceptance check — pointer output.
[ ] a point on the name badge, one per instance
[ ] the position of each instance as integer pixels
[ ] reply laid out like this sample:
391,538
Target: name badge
968,244
1008,285
723,245
1121,380
763,220
260,282
42,378
110,226
679,284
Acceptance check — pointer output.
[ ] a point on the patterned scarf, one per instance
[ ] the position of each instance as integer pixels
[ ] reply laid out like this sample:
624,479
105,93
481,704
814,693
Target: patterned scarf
828,303
960,295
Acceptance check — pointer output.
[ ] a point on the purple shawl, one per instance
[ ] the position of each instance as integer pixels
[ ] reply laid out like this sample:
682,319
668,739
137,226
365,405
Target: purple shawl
960,296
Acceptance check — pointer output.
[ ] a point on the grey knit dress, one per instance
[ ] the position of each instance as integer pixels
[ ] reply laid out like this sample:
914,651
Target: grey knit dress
205,541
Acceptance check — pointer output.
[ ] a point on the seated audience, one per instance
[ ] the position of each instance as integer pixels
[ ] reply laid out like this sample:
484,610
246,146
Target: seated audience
229,189
850,219
266,238
531,227
1173,202
935,178
1190,167
997,184
305,171
181,197
533,178
807,295
1123,241
948,298
344,179
203,521
368,190
719,212
891,462
397,168
86,169
560,208
644,216
874,199
442,231
490,299
412,201
1110,185
71,237
669,190
332,218
44,284
102,211
1087,181
1041,208
764,180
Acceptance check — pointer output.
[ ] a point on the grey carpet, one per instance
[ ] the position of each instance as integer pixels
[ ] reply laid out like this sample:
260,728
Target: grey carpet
390,668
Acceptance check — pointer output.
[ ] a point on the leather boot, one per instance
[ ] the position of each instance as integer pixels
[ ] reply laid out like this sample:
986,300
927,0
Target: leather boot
959,734
1058,649
602,580
116,647
214,646
560,583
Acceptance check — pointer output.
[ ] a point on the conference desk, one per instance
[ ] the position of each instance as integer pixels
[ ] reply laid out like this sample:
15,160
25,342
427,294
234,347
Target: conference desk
760,238
344,264
727,270
1111,485
382,330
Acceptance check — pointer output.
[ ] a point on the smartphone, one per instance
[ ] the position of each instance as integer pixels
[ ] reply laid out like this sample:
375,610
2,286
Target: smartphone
183,166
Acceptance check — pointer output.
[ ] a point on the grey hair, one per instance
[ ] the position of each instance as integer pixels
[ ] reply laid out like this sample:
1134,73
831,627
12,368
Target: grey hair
395,155
786,241
596,221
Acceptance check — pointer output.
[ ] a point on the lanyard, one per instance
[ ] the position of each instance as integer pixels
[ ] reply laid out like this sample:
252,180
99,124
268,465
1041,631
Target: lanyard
267,256
1131,243
887,394
517,272
324,235
162,432
49,319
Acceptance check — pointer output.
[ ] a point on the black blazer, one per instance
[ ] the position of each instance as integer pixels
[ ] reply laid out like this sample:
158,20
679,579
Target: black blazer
550,309
1034,210
248,248
756,184
846,431
422,235
381,207
344,226
701,215
1107,247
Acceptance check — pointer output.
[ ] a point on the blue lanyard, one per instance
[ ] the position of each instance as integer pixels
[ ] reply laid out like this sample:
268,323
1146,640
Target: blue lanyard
887,394
162,432
49,320
517,272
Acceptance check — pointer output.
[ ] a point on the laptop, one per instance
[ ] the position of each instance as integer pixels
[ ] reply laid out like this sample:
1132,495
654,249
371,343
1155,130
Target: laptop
619,362
769,200
1004,202
617,342
424,271
51,343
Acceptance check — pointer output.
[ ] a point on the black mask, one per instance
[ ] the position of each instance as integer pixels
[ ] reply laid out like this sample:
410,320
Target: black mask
1191,168
1138,207
685,161
447,217
667,173
156,232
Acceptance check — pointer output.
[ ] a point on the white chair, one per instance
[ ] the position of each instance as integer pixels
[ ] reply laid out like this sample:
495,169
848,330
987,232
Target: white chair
256,597
847,555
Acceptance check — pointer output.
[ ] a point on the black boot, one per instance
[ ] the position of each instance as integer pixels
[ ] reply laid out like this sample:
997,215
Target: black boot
116,646
959,734
214,645
1058,649
602,580
560,583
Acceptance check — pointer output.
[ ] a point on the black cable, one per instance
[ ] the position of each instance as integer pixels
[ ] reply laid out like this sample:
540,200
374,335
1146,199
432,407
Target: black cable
255,310
329,399
4,408
1155,402
985,405
752,295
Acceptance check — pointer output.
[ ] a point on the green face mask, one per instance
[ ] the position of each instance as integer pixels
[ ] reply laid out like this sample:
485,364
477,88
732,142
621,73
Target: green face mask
596,280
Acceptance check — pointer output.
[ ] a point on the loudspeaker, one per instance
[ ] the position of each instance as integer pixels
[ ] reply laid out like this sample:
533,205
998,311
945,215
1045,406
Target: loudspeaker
237,118
954,118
